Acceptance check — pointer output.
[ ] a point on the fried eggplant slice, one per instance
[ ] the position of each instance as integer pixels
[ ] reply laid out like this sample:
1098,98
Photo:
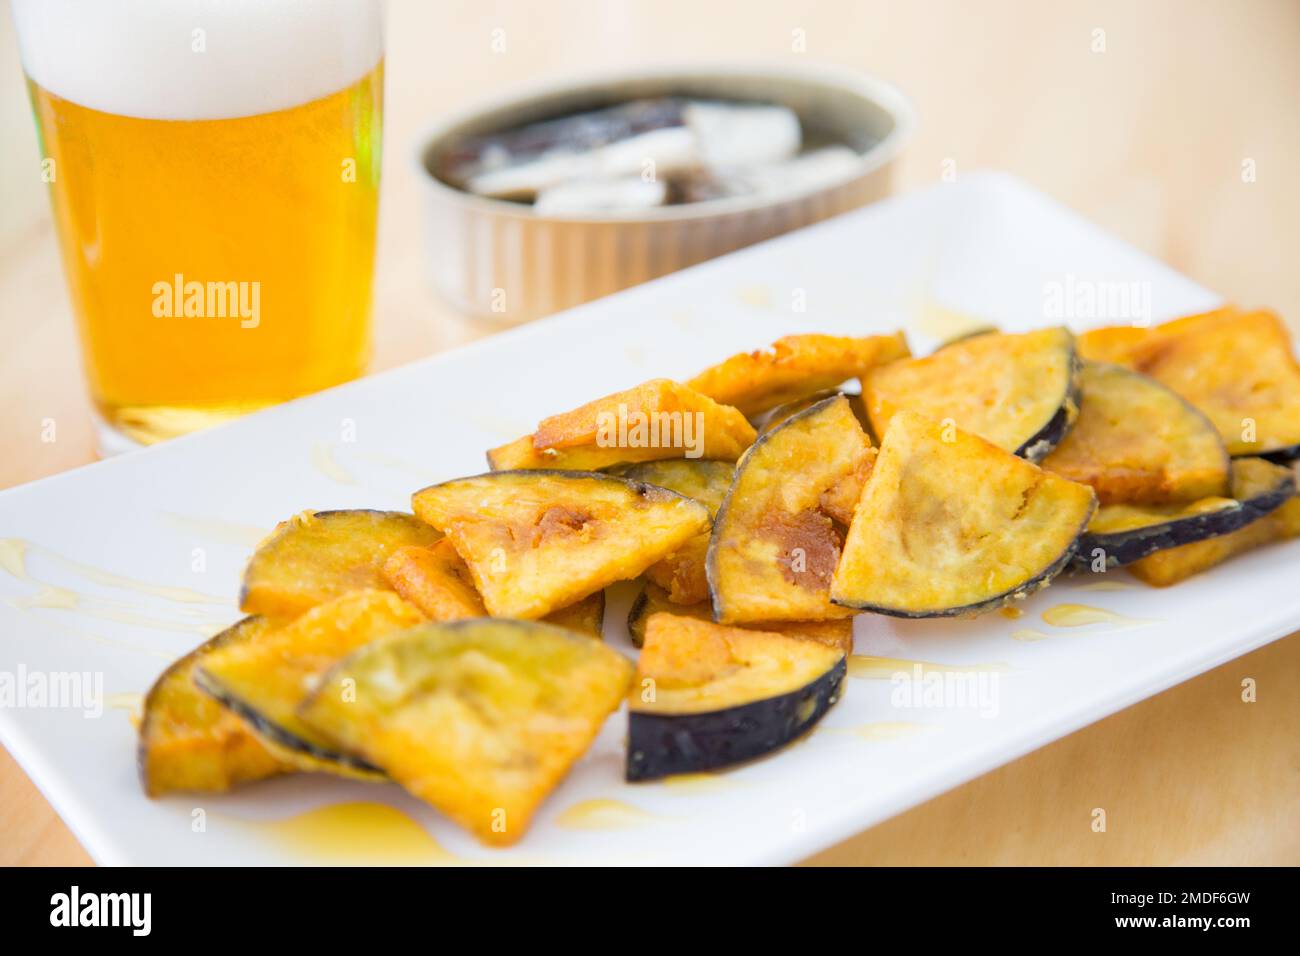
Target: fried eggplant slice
481,719
774,547
1239,370
968,335
1137,442
435,580
1121,344
190,742
840,499
1237,367
1020,392
316,556
682,572
794,367
708,696
1113,345
265,681
585,617
538,541
1123,534
439,583
1168,567
779,414
951,524
653,599
656,420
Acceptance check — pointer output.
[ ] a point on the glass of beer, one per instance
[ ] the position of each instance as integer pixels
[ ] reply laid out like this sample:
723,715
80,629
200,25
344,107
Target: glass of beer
213,168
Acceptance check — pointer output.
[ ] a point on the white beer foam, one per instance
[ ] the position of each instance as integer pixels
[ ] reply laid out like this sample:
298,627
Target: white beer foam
142,58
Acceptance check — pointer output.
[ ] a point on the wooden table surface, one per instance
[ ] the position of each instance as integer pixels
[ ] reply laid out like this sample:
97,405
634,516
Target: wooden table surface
1142,116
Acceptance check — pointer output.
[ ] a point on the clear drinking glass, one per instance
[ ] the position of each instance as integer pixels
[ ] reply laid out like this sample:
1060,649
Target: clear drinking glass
214,174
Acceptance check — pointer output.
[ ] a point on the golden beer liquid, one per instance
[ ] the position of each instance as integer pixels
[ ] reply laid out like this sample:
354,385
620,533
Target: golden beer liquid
286,200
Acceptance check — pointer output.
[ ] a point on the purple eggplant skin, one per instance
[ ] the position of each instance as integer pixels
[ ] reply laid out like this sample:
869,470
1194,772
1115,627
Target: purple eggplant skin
1125,547
278,735
1005,599
661,745
1038,446
636,616
1282,456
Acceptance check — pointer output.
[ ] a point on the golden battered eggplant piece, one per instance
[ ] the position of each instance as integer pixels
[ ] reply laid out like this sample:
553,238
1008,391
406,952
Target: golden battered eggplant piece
774,547
794,367
1137,442
435,580
439,583
1020,392
481,719
585,617
682,572
1167,567
316,556
190,742
951,524
1123,534
264,681
653,599
538,541
1237,367
708,696
656,420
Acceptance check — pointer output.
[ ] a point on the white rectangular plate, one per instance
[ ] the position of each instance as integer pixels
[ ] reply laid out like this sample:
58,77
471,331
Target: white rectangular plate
179,516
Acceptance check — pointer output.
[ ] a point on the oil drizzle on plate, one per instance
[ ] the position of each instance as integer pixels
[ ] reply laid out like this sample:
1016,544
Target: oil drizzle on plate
696,782
394,464
603,815
1011,613
216,529
501,427
132,703
931,317
882,729
13,557
116,645
51,597
1028,635
866,667
13,560
323,460
1082,615
759,296
1106,586
47,595
13,553
358,832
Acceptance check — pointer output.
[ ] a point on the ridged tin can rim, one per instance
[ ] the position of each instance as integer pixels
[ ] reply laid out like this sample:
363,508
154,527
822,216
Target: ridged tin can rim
868,88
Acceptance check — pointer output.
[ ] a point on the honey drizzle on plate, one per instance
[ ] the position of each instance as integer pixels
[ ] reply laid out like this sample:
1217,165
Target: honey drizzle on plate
882,729
357,832
601,814
323,460
13,552
867,667
195,618
1082,615
216,529
703,782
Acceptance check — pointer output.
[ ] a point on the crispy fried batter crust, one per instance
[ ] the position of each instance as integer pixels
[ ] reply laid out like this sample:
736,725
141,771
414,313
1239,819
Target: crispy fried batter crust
793,367
950,524
1137,442
1019,392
